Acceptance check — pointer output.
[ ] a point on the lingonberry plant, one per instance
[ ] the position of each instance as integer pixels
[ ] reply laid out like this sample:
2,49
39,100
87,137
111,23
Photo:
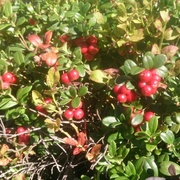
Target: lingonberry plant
89,89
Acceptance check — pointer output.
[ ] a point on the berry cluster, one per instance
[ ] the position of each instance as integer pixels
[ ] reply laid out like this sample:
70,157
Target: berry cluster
76,113
123,94
23,138
7,79
68,77
88,45
149,81
41,108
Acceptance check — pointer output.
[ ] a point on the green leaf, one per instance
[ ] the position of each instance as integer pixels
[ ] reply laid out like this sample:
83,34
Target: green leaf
112,148
136,70
82,91
128,65
85,7
99,18
150,146
73,91
107,121
53,77
8,9
168,137
153,124
64,101
148,62
151,167
80,68
19,58
166,164
23,93
3,26
162,71
7,103
98,76
92,22
137,119
75,102
130,169
159,60
20,21
37,98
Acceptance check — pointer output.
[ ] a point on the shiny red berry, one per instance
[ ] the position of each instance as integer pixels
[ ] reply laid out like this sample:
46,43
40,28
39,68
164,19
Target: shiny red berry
148,115
145,75
65,78
73,75
78,114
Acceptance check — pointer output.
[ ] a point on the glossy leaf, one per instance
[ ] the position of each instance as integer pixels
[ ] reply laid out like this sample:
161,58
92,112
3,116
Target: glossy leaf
148,62
98,76
151,167
168,137
19,58
112,148
75,102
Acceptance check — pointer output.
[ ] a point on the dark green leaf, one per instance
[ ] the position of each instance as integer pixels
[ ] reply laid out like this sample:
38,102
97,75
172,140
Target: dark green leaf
23,93
84,8
82,91
73,92
159,60
128,65
136,70
148,62
19,58
153,124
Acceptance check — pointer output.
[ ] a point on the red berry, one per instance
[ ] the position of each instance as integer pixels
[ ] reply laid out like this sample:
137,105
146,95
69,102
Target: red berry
4,85
65,78
23,138
141,84
122,98
78,114
68,113
84,48
156,77
80,40
91,39
148,115
41,109
147,90
93,49
48,100
124,90
32,21
153,71
9,77
73,75
145,75
88,56
137,128
154,83
116,88
132,96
